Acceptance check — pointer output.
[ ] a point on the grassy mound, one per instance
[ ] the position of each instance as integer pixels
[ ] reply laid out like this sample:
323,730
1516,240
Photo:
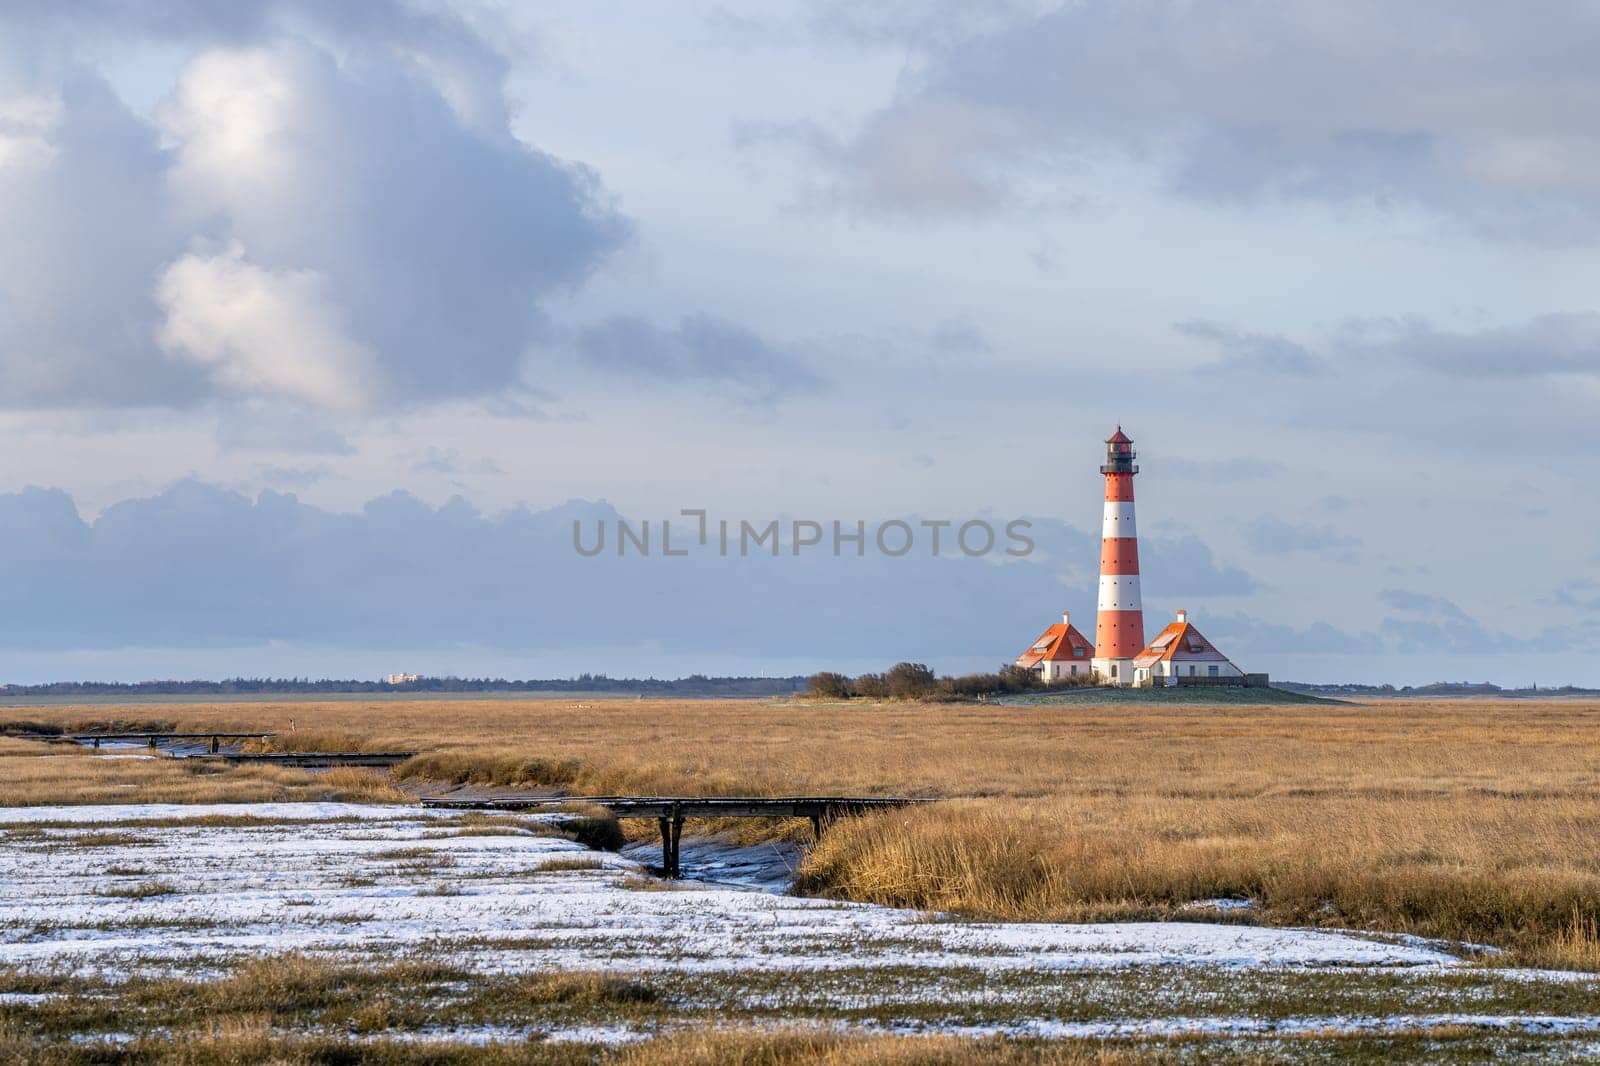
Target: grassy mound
1179,696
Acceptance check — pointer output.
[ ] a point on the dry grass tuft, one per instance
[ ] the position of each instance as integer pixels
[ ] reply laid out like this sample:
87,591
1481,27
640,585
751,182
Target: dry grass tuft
142,890
1575,946
576,863
585,989
725,1048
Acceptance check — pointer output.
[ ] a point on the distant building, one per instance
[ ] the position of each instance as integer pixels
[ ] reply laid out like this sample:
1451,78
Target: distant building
1179,651
401,679
1061,651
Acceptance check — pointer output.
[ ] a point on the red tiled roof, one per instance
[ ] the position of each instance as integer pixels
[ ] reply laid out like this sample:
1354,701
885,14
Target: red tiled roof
1119,437
1056,644
1181,641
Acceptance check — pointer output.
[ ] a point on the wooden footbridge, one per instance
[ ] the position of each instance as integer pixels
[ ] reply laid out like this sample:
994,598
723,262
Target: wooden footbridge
305,759
310,760
94,739
671,811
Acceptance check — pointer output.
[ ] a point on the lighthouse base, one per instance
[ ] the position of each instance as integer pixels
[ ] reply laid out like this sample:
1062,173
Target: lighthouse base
1113,671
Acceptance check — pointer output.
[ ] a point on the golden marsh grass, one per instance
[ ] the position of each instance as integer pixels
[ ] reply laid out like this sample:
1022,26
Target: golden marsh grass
1462,819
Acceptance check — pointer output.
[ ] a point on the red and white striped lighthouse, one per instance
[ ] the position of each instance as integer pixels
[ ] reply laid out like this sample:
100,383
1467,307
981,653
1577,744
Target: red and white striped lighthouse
1119,626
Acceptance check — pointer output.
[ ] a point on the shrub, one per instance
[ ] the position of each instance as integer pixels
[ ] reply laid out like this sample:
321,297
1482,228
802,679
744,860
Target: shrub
829,686
871,686
910,681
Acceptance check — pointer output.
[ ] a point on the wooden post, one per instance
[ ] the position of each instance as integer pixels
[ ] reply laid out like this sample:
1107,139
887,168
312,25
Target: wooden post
96,743
816,828
213,744
666,847
152,742
677,839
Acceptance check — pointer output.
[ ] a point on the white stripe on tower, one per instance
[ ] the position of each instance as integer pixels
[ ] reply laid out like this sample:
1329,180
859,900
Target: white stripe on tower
1119,592
1118,521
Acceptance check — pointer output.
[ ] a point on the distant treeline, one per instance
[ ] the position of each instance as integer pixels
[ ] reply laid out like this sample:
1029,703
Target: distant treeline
694,685
1438,688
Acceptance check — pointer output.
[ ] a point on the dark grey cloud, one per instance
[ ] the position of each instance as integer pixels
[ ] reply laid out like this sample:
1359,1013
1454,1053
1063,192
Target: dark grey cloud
1271,535
1252,353
700,349
328,209
1471,107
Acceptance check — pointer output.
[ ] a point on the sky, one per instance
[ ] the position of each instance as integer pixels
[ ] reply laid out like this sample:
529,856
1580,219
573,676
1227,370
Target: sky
321,325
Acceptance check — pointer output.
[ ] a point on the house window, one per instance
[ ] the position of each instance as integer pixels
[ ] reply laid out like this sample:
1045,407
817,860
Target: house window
1078,651
1191,669
1113,669
1074,669
1212,670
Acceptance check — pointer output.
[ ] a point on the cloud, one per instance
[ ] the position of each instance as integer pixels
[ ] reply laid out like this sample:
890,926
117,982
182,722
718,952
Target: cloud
1581,593
340,228
1270,535
927,156
200,566
84,234
1169,565
276,427
1557,344
1245,636
700,349
959,337
262,332
291,477
1254,353
1184,566
1536,378
451,462
1433,624
1469,107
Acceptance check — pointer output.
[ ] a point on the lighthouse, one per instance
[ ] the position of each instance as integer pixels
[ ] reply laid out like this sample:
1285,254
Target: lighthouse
1119,625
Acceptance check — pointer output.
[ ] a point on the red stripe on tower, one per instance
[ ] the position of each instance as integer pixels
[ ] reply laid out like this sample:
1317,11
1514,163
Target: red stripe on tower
1119,625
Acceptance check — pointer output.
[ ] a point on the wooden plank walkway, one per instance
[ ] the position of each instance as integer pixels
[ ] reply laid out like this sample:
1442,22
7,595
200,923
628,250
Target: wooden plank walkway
308,759
670,811
94,739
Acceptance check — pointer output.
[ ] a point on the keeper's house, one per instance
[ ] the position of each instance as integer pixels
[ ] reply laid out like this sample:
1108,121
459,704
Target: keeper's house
1180,651
1061,651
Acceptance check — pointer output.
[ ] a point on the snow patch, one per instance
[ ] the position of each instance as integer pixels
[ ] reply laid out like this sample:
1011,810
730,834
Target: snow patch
341,877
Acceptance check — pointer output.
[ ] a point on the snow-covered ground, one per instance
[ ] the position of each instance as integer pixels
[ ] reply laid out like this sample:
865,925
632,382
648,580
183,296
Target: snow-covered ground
349,876
120,889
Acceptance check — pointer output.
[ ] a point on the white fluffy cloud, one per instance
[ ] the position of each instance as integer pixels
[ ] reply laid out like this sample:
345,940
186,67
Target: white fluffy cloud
384,237
259,331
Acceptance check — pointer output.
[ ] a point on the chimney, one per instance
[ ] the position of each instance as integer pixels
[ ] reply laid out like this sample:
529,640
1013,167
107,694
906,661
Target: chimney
1066,618
1183,616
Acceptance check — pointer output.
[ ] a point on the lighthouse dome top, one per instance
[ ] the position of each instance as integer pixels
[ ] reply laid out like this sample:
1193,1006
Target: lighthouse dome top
1120,454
